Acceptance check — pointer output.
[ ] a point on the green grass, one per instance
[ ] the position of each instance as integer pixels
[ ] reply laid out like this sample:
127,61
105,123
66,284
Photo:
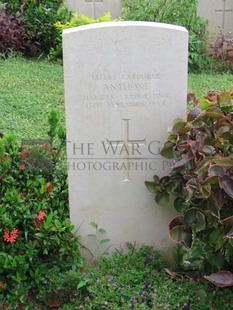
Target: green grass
203,82
28,92
30,89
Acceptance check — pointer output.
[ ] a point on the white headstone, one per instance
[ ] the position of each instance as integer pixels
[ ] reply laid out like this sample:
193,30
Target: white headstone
95,8
219,15
125,82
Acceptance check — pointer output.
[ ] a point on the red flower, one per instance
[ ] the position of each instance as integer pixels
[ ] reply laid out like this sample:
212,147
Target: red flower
10,236
40,217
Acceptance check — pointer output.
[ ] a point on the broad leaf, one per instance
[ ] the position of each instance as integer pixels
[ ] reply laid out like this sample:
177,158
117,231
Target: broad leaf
222,278
190,216
204,104
225,100
184,160
151,186
216,170
163,199
227,221
193,114
102,241
205,189
226,183
180,126
177,221
229,235
201,223
178,234
167,150
213,115
180,205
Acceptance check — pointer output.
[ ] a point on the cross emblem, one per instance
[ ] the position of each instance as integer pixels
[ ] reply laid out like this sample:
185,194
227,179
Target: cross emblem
94,5
126,142
223,11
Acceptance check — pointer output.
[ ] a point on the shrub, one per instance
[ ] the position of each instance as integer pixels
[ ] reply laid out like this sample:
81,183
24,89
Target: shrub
35,233
75,20
12,33
167,11
223,53
40,17
200,185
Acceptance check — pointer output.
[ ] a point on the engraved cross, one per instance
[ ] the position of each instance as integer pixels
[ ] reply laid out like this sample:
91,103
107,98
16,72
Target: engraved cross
125,143
223,11
94,5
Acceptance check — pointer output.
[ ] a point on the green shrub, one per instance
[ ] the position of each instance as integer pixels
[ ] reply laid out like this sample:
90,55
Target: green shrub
200,185
39,17
35,233
75,20
178,12
12,33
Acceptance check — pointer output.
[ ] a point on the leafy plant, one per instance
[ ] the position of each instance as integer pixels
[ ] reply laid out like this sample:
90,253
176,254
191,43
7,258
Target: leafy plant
13,35
200,185
75,20
136,279
60,288
39,18
224,46
35,233
223,53
166,11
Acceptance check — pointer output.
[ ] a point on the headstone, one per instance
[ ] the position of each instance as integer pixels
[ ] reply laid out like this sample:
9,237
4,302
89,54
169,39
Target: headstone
219,15
95,8
125,82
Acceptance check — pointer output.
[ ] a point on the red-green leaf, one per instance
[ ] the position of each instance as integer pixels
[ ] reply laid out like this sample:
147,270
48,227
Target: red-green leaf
214,115
205,189
216,170
190,216
177,221
180,126
179,234
222,278
225,100
226,183
208,149
193,114
227,221
229,235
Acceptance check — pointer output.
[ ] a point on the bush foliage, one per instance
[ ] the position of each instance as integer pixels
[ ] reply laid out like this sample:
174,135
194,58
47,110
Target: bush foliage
35,233
39,18
75,20
200,185
177,12
13,35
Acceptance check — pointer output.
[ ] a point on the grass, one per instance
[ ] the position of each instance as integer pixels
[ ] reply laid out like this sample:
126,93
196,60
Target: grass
28,92
30,89
203,82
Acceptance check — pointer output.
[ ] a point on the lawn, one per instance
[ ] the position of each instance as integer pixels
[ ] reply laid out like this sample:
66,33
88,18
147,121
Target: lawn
30,89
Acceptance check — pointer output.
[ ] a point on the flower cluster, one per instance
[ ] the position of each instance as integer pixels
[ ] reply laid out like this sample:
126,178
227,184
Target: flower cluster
10,236
39,219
